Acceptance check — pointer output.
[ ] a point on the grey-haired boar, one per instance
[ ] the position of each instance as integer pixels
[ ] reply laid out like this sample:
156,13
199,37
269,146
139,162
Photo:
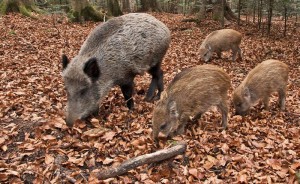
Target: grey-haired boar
190,94
267,77
221,40
113,54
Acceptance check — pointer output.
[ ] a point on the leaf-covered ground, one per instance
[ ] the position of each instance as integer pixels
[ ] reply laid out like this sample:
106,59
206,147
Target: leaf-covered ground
36,145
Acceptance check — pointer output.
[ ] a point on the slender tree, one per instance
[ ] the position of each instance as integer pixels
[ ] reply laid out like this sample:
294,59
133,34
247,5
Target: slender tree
270,14
239,12
149,5
114,8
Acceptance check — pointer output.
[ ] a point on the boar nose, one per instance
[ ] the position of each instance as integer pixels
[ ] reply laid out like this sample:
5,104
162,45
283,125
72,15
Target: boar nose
161,135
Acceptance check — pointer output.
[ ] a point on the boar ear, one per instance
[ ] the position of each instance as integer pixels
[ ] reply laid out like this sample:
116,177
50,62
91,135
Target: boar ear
246,93
92,69
64,61
208,47
173,109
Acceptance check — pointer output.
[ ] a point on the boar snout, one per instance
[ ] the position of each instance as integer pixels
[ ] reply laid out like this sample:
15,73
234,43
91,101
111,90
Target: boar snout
241,113
72,118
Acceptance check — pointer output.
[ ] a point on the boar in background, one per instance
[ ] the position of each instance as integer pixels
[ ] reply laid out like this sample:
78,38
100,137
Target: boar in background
113,54
190,94
267,77
221,40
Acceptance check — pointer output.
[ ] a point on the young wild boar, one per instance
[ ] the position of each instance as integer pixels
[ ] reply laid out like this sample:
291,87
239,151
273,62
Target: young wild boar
221,40
113,54
267,77
191,93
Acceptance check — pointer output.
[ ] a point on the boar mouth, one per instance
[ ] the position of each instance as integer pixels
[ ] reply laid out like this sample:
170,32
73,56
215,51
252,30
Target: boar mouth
242,113
87,116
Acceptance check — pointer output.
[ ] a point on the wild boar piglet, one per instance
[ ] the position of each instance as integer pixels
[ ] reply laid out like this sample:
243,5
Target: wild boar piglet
221,40
267,77
190,94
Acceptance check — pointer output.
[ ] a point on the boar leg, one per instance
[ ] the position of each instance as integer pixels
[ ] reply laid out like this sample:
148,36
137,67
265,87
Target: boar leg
156,83
281,93
219,54
127,90
240,53
224,110
266,103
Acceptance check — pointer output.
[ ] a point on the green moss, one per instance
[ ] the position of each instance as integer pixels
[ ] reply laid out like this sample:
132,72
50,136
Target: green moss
89,13
3,7
24,11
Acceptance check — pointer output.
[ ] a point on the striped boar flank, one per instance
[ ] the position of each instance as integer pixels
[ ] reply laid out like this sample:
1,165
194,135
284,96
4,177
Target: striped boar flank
191,93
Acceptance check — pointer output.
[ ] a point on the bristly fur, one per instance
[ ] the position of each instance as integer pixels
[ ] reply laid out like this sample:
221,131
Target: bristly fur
266,78
123,47
219,41
191,93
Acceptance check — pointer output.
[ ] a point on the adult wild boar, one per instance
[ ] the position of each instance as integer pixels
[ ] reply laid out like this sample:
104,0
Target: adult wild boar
221,40
267,77
191,93
113,54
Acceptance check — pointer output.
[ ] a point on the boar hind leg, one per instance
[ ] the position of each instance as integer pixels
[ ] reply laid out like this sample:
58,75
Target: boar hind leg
281,93
156,83
240,53
127,90
224,110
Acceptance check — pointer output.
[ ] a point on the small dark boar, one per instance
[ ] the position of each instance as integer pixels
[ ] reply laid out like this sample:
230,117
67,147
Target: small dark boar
267,77
191,93
113,54
221,40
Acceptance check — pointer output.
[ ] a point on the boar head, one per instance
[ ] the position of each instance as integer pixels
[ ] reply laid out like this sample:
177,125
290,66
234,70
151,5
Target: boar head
242,100
165,120
82,88
206,53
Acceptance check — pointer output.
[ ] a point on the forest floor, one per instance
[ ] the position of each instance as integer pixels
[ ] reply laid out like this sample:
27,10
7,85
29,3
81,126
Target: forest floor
36,146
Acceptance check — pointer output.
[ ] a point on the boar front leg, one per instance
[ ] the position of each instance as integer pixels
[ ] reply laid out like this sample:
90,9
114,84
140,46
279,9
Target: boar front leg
156,83
127,90
224,110
281,93
266,102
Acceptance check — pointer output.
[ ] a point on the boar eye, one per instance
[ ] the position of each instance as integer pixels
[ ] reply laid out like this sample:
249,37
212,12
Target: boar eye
163,126
82,92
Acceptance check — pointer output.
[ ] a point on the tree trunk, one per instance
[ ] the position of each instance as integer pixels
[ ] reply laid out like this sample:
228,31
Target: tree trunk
239,12
254,8
83,11
259,13
217,11
25,7
149,5
285,19
126,6
223,14
270,13
202,11
114,8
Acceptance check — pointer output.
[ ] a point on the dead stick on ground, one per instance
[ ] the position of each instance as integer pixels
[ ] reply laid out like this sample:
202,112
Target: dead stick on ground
141,160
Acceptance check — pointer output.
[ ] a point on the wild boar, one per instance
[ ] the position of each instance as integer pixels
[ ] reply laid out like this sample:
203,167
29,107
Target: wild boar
221,40
113,54
267,77
191,93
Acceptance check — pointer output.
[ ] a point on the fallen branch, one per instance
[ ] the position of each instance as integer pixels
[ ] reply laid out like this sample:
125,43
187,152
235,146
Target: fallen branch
141,160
